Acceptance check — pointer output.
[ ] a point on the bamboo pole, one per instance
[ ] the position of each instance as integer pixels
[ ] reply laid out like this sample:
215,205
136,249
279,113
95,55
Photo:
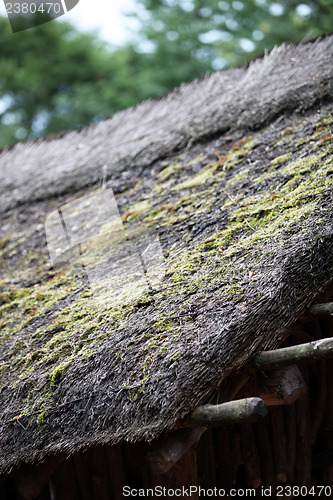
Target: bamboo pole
233,412
311,351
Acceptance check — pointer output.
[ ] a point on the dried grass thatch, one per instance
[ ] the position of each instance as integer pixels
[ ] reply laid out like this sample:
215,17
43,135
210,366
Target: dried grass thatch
245,220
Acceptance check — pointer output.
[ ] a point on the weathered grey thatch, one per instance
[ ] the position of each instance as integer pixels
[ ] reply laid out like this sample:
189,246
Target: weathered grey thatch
290,77
245,219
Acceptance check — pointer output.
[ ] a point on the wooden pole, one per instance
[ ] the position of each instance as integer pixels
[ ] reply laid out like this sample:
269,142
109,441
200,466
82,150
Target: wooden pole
3,495
320,400
328,425
168,451
31,479
266,454
233,412
281,386
182,475
311,351
100,479
236,385
45,493
279,444
304,455
290,422
206,460
82,466
235,440
250,456
322,309
227,447
65,482
117,470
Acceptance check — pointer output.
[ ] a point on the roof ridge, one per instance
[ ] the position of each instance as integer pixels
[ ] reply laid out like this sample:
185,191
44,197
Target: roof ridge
290,77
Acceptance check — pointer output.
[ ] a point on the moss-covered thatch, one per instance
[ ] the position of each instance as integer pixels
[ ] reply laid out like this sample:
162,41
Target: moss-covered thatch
244,215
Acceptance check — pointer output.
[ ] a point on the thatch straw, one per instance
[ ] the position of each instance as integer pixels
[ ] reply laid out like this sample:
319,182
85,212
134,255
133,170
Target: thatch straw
289,77
245,222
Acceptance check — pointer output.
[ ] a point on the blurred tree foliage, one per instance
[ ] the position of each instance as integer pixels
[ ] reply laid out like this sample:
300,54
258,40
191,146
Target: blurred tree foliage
219,34
53,77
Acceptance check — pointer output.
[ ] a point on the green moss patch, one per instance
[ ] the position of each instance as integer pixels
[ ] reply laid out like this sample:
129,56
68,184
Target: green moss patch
224,213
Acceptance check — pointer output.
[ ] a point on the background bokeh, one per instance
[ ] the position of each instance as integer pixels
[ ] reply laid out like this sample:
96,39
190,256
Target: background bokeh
59,75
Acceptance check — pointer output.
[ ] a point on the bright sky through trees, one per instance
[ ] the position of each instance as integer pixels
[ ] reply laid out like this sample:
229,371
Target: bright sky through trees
106,16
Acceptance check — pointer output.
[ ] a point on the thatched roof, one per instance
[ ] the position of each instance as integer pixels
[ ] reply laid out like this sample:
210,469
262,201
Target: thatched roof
234,175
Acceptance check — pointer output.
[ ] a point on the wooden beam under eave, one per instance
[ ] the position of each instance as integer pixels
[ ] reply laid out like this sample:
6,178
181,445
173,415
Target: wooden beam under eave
183,475
281,386
302,353
322,309
167,451
232,412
